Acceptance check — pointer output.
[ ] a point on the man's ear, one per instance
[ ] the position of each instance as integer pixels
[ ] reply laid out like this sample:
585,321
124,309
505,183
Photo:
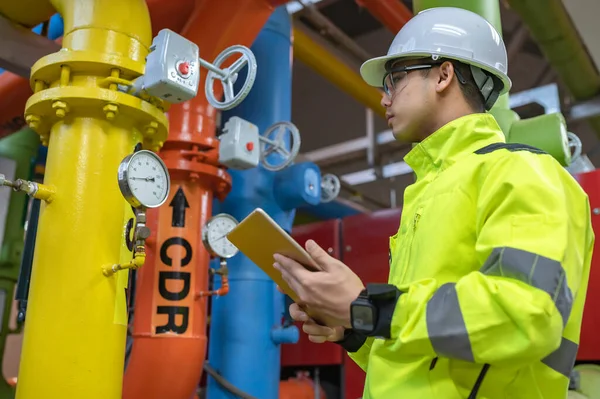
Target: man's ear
444,76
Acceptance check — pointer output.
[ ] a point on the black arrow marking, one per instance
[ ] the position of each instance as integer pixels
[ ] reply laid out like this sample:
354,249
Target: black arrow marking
179,203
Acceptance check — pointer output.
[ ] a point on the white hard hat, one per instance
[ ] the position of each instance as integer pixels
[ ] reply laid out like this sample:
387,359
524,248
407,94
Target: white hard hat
451,33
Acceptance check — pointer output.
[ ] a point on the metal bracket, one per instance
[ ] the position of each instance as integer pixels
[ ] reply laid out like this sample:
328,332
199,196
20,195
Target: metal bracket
584,110
547,96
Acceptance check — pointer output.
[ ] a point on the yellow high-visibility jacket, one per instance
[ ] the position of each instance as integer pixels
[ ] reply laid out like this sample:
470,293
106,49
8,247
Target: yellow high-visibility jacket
492,257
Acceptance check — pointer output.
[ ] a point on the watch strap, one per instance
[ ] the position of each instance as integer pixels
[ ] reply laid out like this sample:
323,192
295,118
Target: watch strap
384,297
352,341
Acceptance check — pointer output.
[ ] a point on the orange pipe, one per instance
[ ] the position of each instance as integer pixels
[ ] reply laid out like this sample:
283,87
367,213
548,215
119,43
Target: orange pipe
169,322
391,13
224,290
191,155
15,90
299,387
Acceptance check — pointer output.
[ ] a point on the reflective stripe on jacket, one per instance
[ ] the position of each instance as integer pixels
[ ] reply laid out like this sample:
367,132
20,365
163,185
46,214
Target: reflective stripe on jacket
492,256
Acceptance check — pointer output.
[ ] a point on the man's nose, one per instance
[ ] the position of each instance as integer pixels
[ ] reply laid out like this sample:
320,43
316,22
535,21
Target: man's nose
385,100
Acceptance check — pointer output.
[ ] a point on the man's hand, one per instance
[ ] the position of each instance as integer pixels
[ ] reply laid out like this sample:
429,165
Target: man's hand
327,294
316,332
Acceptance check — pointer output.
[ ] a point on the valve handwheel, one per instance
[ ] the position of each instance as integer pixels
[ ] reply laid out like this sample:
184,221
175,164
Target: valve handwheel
330,187
574,145
228,76
277,144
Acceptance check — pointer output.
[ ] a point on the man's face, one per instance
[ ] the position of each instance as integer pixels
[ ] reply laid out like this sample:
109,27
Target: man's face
409,100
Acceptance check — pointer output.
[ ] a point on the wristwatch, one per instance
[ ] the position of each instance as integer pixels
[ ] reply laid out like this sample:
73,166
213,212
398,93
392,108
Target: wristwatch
371,313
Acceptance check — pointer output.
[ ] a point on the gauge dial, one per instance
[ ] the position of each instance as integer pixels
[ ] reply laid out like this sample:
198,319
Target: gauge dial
214,235
144,179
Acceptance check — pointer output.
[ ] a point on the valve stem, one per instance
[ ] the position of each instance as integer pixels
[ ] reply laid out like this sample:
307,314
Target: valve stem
33,189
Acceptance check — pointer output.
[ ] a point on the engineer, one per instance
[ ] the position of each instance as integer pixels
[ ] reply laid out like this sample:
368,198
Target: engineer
489,268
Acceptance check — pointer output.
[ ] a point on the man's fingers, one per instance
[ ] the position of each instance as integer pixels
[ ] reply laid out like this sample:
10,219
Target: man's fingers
312,328
291,266
291,281
297,313
320,256
317,339
318,333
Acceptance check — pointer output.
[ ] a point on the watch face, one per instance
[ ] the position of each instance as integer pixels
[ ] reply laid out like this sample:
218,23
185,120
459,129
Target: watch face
363,318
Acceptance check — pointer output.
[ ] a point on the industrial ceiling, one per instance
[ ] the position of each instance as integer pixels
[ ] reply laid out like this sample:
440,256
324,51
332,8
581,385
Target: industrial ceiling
335,126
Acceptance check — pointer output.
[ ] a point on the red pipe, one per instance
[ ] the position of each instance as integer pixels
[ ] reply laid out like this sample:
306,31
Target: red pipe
170,14
14,92
161,357
391,13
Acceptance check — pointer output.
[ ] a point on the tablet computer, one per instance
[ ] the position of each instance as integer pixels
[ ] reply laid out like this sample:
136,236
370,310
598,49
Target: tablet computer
259,237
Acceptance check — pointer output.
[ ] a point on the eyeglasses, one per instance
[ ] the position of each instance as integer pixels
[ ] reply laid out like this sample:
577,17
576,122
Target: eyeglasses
394,76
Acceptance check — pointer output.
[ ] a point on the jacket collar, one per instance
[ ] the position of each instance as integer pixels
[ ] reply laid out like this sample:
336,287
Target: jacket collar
453,141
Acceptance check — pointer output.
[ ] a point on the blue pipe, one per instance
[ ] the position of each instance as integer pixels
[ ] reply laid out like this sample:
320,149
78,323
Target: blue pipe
246,324
55,29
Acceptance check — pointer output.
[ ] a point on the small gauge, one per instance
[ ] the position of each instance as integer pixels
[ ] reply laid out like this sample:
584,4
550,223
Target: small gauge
214,235
144,179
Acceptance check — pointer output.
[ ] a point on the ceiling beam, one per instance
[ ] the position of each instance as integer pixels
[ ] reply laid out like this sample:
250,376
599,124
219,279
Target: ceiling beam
332,154
20,48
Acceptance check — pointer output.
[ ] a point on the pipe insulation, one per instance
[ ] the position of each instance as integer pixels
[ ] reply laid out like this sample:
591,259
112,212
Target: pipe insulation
558,39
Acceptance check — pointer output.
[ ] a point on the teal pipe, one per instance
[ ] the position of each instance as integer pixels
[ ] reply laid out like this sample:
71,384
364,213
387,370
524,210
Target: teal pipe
22,148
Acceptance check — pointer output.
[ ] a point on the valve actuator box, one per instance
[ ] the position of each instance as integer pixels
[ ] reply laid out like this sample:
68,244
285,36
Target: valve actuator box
239,147
172,68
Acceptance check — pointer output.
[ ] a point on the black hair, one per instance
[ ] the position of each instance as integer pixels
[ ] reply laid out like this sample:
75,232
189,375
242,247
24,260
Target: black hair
469,88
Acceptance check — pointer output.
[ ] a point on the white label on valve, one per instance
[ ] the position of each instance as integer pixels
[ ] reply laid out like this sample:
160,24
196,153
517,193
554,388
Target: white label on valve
8,167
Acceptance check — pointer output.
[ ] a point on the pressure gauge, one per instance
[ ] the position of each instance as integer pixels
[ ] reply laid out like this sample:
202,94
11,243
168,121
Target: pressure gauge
144,179
214,235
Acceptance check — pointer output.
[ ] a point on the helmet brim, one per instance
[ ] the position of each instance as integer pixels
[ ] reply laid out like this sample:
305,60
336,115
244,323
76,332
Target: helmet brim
373,70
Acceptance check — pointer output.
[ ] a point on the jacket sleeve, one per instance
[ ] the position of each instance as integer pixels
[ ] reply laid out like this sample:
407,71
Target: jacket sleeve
360,353
513,308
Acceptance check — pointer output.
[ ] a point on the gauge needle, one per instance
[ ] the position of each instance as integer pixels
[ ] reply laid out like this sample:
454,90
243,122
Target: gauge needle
143,178
223,236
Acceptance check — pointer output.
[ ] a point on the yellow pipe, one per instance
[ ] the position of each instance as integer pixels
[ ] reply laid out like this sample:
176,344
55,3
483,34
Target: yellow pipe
28,13
327,65
74,342
88,21
44,193
138,261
